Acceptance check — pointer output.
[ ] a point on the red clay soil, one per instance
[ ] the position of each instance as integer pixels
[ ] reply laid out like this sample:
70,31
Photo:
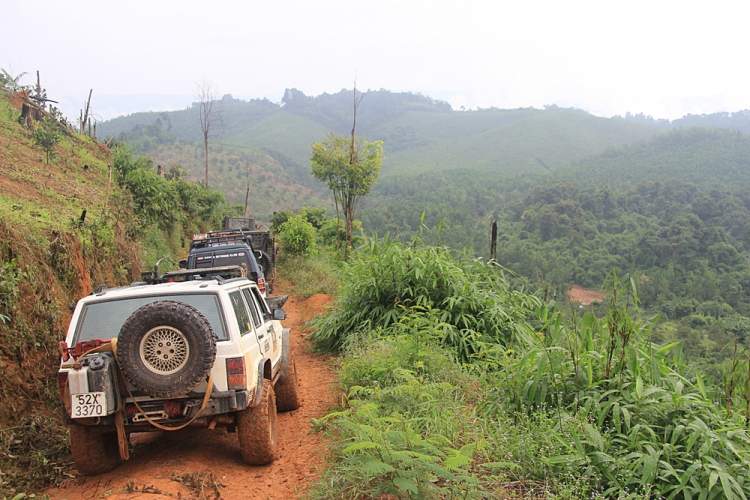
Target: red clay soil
155,458
584,295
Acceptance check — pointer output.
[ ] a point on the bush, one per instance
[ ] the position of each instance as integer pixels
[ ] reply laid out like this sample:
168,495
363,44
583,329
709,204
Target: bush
473,303
47,135
298,235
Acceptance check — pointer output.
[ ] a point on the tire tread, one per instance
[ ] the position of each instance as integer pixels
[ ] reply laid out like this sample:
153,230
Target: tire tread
256,429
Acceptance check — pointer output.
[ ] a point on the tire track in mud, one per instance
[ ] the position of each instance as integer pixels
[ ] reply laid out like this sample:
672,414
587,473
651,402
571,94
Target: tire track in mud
155,457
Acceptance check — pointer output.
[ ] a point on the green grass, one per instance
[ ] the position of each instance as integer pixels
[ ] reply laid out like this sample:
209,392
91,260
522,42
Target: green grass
411,427
307,276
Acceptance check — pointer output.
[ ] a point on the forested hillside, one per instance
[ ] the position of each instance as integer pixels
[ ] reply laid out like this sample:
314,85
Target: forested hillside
739,120
672,212
419,133
703,157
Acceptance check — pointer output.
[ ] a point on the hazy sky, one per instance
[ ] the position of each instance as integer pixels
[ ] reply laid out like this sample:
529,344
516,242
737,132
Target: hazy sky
663,58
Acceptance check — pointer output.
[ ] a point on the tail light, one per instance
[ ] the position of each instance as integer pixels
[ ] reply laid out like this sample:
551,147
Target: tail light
62,381
64,352
262,285
236,377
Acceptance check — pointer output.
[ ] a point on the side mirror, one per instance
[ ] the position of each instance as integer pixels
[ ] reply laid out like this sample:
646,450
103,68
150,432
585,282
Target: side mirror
279,314
183,263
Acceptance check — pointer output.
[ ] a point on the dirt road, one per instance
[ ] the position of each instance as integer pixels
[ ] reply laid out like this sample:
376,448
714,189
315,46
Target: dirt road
155,458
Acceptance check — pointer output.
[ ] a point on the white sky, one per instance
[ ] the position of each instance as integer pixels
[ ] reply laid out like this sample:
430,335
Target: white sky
663,58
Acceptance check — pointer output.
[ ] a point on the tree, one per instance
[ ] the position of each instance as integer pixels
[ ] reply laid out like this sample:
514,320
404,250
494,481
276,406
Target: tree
206,95
350,171
48,136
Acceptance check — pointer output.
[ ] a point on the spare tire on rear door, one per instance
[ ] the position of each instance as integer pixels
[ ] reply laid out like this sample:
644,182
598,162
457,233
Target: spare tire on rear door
166,348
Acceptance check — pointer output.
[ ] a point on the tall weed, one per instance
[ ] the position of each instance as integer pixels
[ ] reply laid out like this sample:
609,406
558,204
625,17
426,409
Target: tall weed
389,280
646,425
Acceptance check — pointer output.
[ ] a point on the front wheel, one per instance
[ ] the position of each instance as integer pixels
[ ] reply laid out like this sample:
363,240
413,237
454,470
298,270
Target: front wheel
256,429
93,452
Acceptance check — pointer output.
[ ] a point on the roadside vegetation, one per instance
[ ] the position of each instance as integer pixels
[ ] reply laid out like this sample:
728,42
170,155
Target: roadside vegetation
445,401
310,254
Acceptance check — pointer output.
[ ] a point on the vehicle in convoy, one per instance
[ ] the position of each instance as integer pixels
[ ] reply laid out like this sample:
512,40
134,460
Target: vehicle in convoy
207,352
239,243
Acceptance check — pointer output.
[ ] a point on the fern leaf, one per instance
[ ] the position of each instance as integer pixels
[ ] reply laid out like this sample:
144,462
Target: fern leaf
362,445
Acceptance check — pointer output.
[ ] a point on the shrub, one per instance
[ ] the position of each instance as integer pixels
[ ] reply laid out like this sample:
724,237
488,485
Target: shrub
471,300
47,135
298,235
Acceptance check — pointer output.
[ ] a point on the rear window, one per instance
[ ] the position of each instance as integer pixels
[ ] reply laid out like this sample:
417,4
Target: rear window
103,320
234,258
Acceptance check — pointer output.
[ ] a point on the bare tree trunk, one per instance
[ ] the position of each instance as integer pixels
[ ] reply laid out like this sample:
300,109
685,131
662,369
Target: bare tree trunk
348,205
354,124
493,241
348,214
247,197
338,221
208,116
39,90
206,136
86,114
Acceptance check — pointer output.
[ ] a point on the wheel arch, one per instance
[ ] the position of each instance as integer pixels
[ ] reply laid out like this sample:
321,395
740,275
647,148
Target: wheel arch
264,376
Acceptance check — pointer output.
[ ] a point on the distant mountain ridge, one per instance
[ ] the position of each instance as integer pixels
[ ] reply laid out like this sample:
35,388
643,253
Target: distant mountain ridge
739,120
419,133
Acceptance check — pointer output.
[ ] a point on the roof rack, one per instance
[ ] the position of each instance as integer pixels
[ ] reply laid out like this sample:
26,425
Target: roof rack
219,238
220,274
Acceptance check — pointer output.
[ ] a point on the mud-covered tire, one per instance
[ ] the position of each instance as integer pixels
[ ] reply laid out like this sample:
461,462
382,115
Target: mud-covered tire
166,348
287,389
93,452
256,429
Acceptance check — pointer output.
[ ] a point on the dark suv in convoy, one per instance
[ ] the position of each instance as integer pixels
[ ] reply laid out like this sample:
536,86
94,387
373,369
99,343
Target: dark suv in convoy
236,246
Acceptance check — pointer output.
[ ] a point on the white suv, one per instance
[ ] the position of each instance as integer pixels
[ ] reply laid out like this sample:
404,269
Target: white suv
141,358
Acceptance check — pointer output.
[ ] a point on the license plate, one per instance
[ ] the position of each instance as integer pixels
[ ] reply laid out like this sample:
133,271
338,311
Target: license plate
91,404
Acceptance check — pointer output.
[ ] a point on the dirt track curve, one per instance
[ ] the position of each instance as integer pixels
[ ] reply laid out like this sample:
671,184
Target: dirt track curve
155,458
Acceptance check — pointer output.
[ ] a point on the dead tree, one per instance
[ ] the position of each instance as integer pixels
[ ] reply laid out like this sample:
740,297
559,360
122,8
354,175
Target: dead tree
353,153
206,95
30,111
85,116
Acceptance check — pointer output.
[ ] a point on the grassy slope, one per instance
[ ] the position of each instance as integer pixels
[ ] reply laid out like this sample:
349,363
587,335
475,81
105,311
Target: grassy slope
509,141
699,156
274,186
281,132
40,196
